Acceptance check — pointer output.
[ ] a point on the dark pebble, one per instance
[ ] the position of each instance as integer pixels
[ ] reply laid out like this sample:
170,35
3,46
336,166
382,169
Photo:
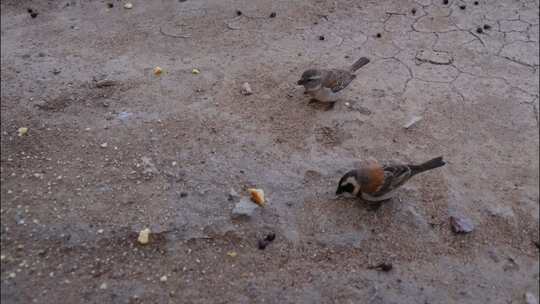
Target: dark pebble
29,10
445,2
385,267
321,37
183,194
413,11
270,237
487,27
262,244
33,15
461,224
378,35
238,13
479,30
110,5
462,7
273,15
476,3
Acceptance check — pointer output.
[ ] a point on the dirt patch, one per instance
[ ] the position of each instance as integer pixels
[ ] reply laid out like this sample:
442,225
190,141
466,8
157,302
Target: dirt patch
112,149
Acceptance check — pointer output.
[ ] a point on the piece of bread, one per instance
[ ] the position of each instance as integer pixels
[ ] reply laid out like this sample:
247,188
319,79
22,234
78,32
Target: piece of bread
144,236
257,196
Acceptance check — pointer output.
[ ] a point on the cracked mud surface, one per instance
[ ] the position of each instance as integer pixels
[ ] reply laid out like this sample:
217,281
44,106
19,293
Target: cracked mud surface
102,160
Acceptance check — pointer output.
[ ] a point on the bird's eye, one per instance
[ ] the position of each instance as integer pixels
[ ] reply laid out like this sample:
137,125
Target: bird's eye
348,188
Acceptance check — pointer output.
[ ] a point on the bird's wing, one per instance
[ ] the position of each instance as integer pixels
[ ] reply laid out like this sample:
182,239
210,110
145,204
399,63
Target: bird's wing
337,80
395,175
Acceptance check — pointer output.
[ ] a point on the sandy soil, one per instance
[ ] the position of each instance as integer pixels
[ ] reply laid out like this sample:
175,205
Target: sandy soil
102,160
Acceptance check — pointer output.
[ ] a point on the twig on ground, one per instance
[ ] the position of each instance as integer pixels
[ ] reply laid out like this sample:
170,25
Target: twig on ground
171,35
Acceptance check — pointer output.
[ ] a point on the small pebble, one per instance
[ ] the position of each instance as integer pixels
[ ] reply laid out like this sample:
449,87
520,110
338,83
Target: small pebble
33,14
321,37
232,254
530,298
479,30
262,244
462,7
270,237
128,5
238,13
461,224
246,89
104,145
273,15
103,286
163,279
195,71
413,11
378,35
386,267
445,2
110,5
476,3
487,27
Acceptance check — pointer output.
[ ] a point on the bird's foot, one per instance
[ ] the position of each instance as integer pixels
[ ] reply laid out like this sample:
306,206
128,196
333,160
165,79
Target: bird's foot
330,106
375,206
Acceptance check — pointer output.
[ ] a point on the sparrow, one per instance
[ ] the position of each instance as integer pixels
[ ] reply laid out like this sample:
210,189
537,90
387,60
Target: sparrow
377,181
325,85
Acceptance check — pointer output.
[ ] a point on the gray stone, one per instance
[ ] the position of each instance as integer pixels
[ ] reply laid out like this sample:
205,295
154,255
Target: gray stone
461,224
244,208
412,121
433,57
124,115
530,298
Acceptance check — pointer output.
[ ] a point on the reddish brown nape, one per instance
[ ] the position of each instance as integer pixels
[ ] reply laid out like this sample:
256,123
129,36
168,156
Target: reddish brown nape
376,177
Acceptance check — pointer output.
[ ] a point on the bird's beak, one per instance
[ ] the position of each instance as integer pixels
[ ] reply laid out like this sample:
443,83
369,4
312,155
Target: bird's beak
301,82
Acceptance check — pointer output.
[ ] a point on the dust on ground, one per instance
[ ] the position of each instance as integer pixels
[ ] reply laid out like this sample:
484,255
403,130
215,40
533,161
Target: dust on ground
112,148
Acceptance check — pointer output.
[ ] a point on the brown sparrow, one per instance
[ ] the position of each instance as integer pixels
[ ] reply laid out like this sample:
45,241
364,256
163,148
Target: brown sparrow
325,85
375,182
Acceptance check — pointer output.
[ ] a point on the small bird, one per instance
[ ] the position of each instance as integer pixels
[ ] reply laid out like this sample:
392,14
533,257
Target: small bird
325,85
376,182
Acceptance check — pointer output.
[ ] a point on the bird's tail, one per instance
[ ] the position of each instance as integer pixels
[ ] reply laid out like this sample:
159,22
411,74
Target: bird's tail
430,164
359,63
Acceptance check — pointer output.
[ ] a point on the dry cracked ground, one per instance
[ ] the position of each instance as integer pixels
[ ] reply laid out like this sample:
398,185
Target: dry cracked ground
111,148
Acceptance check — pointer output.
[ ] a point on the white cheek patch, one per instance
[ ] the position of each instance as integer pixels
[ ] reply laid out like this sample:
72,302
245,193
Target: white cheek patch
351,180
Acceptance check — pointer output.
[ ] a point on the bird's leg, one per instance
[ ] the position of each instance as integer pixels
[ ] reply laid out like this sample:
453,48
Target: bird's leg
375,206
330,105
